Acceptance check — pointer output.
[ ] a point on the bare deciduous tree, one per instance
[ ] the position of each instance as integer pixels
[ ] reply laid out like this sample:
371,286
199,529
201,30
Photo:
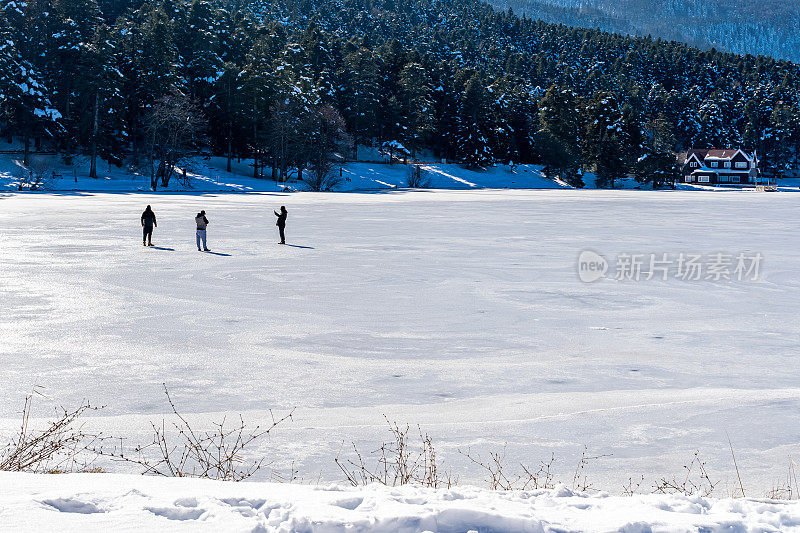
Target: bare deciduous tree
283,139
172,128
328,138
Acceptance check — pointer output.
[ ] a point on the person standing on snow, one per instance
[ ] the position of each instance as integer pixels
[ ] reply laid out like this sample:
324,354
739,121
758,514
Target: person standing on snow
148,223
201,222
281,223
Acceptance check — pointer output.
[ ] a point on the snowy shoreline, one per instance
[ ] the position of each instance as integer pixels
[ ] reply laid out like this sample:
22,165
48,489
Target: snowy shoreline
103,502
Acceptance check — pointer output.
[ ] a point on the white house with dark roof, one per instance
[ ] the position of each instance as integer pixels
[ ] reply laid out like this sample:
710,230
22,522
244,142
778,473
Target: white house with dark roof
718,167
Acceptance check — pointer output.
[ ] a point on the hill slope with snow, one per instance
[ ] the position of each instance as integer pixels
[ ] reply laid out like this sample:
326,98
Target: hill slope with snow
210,175
757,27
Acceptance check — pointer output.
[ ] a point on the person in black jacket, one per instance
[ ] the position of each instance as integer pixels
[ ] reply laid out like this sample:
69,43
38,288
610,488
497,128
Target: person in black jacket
281,223
148,223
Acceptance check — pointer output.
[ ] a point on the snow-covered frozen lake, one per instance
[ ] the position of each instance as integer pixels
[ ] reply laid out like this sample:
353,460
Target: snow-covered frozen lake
460,311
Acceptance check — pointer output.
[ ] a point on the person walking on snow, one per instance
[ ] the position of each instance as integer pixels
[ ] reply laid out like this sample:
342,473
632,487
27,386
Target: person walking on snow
201,222
281,223
148,223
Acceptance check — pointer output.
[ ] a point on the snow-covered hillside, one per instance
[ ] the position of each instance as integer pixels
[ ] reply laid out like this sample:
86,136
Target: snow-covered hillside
757,27
93,502
210,175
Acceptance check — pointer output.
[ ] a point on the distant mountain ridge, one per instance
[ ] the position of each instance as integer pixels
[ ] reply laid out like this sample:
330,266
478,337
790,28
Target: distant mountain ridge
758,27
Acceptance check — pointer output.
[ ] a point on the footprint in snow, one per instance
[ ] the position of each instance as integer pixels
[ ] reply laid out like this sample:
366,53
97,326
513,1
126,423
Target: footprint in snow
350,504
68,505
244,502
174,513
186,502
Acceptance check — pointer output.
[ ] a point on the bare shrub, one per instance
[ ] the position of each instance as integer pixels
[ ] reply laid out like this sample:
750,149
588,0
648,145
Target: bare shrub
37,176
323,175
695,480
418,178
780,491
632,486
788,488
499,477
579,480
292,476
215,454
396,462
543,477
496,469
59,447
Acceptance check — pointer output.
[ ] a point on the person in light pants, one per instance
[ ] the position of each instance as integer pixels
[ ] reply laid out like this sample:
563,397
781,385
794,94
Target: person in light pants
202,223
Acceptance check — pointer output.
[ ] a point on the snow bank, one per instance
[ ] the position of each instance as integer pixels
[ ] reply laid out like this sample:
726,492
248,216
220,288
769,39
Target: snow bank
95,502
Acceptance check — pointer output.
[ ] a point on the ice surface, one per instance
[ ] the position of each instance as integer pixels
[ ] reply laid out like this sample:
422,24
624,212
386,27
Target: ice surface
460,311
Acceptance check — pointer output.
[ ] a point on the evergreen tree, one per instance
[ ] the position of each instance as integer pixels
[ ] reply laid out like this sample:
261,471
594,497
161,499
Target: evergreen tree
557,158
472,125
198,48
416,106
456,78
360,95
100,100
609,163
560,114
24,102
149,67
779,138
658,165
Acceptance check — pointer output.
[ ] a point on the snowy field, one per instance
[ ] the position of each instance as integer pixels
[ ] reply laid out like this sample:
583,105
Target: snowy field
460,311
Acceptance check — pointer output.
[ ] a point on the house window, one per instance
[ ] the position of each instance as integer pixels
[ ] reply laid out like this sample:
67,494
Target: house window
689,179
727,164
702,179
734,179
714,164
693,164
741,164
724,179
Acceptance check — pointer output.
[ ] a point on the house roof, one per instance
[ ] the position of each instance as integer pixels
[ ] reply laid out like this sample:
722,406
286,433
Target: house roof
720,154
710,153
683,157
